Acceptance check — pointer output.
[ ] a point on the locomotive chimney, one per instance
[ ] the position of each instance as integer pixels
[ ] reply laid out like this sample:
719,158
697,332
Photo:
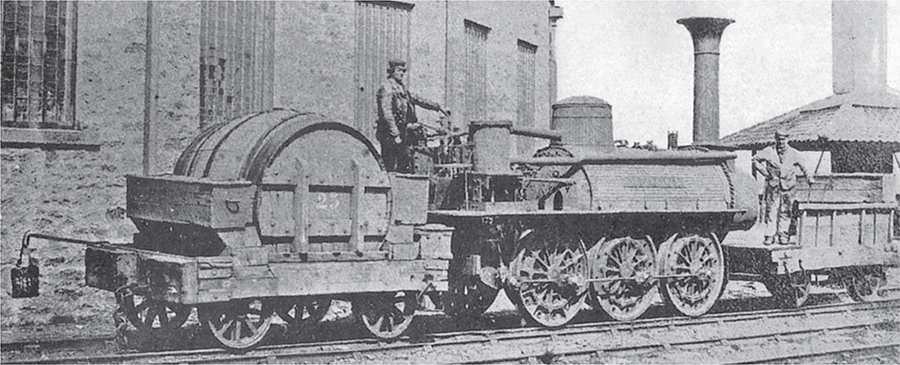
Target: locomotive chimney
706,33
859,46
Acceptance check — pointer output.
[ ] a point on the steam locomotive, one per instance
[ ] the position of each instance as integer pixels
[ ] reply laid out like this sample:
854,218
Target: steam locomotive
281,212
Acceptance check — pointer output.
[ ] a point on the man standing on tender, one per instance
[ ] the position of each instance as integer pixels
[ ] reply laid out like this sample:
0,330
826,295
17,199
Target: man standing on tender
780,165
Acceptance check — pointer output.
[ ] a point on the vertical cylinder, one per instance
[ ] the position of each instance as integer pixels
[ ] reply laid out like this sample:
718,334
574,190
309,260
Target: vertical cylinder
706,33
583,120
492,140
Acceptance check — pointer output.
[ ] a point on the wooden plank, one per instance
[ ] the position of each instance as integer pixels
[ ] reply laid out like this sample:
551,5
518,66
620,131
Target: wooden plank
324,278
214,274
254,288
846,188
301,240
190,200
846,228
883,227
551,213
867,228
844,206
249,256
340,256
223,284
250,272
355,206
214,295
816,258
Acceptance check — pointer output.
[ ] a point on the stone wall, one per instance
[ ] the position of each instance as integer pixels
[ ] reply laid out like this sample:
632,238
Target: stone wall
81,194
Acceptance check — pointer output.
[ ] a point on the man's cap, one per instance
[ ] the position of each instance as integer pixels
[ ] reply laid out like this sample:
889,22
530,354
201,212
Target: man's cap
395,63
781,134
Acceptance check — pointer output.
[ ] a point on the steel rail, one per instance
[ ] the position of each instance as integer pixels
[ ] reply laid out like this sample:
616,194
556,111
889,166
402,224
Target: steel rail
825,357
355,348
671,345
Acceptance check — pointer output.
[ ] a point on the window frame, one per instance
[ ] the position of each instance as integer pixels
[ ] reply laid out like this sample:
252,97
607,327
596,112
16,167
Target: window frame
69,133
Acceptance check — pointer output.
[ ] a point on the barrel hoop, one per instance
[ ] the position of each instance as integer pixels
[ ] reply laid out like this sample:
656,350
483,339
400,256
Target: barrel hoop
188,159
212,156
273,147
261,142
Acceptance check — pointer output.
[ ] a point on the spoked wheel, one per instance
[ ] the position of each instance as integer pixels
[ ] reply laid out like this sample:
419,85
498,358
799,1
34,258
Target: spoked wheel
698,266
468,295
863,284
791,291
625,266
154,315
386,315
548,274
238,325
303,311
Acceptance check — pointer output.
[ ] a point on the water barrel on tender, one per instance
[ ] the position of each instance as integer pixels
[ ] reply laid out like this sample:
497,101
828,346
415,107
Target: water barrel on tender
278,149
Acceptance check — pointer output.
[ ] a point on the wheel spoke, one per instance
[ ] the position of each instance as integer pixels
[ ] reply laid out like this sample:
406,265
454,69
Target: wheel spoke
221,330
164,316
699,257
236,334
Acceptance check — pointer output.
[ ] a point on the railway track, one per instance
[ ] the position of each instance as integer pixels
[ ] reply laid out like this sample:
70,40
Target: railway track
650,339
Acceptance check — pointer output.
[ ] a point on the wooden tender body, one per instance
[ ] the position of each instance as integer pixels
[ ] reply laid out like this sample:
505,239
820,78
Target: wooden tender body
280,211
842,229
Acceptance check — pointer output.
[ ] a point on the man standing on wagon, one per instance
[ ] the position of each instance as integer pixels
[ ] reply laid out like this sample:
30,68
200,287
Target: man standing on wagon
396,111
780,165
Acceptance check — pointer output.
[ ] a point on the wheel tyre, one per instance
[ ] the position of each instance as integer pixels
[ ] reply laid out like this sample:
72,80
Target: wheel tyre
863,284
790,292
154,315
625,258
545,256
386,316
703,258
468,297
238,325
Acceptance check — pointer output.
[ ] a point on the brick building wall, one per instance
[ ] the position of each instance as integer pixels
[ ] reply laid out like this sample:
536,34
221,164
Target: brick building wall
80,191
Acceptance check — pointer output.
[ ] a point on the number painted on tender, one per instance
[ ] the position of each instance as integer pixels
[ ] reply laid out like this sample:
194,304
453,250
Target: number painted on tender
327,201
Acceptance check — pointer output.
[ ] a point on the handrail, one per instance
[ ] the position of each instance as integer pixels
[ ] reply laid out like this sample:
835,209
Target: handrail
26,240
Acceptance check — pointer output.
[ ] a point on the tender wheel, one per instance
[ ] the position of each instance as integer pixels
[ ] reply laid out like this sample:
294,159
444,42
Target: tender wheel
632,261
386,315
239,324
791,291
468,296
698,265
548,277
303,311
153,315
863,284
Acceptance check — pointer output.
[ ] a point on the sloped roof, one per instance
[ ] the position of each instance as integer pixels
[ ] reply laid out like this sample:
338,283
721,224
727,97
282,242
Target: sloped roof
845,117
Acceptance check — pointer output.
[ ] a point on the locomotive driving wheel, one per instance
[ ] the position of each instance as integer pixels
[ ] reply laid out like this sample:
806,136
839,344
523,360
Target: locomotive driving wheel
303,311
547,277
154,315
696,267
468,296
238,325
386,315
863,284
624,266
